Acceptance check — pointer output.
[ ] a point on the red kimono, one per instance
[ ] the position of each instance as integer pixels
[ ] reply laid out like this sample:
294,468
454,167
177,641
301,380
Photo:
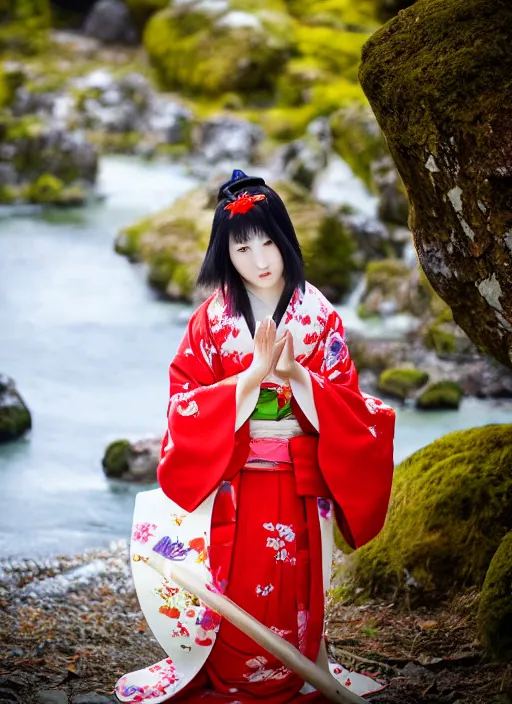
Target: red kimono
265,543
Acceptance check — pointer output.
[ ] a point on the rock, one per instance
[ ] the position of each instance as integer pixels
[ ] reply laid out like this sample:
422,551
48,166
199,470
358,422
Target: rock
93,698
387,288
302,160
495,606
458,486
402,382
440,395
53,165
132,462
227,138
54,696
376,355
115,460
129,107
393,205
15,417
450,136
206,48
110,21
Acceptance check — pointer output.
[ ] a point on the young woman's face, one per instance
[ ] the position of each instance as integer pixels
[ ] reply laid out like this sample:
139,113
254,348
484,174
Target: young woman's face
258,261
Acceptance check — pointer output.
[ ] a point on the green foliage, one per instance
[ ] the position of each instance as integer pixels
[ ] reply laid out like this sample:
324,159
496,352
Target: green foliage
495,607
450,508
401,382
443,394
115,460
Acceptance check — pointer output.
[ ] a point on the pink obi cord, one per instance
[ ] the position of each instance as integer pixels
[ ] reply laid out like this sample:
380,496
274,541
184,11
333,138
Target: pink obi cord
269,450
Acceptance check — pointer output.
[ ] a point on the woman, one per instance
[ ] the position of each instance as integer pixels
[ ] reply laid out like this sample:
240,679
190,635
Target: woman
268,437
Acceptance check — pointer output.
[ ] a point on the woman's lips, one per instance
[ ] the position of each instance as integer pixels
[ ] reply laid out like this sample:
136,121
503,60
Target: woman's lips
263,276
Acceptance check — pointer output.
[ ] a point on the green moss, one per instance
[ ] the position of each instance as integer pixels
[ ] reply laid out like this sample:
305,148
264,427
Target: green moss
9,194
450,508
338,51
495,608
14,421
115,460
344,14
382,273
128,242
443,394
286,123
24,26
440,339
401,382
357,138
193,53
46,189
328,258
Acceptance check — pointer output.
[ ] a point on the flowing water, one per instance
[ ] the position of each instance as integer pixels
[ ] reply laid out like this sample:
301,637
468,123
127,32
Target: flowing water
88,345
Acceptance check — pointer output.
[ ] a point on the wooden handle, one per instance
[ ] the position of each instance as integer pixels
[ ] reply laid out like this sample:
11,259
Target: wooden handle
292,658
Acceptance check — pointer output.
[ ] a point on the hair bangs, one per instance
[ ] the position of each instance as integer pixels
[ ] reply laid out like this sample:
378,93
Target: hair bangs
269,218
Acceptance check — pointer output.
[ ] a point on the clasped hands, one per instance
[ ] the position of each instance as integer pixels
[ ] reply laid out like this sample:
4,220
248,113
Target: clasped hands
273,356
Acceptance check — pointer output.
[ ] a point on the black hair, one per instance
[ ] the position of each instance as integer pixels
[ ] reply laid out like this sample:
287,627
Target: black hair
269,216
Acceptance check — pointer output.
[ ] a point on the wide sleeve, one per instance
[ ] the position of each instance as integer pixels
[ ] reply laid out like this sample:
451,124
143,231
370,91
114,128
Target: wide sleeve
200,443
355,443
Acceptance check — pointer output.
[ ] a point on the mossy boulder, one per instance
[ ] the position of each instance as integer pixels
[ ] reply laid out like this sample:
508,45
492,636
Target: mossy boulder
15,418
132,461
444,103
495,607
402,382
115,460
213,49
451,506
440,395
387,288
171,243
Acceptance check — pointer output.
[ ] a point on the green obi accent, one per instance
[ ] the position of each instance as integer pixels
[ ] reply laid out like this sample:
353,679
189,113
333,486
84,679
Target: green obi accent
268,408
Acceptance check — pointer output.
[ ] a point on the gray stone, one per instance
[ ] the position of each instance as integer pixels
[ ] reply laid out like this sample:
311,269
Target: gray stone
110,21
54,696
92,698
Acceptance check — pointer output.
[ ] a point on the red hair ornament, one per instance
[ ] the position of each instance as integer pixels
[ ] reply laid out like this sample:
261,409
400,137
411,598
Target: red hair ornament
244,203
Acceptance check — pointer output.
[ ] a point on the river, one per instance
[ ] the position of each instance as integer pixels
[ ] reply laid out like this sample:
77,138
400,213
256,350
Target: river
88,345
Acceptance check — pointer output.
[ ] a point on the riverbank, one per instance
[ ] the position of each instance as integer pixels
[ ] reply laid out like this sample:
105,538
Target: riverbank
69,627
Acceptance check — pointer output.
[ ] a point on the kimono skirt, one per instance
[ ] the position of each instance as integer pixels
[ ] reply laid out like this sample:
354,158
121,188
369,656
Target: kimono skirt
266,545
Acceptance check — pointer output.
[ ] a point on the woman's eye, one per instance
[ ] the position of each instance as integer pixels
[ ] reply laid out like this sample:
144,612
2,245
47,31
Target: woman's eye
269,242
243,249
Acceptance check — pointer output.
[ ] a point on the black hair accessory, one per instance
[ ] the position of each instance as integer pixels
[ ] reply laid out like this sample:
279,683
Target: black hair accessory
238,181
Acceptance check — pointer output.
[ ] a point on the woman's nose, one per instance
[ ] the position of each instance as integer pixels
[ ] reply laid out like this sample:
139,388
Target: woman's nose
261,259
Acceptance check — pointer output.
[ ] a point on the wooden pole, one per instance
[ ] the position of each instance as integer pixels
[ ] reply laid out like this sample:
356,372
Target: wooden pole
292,658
